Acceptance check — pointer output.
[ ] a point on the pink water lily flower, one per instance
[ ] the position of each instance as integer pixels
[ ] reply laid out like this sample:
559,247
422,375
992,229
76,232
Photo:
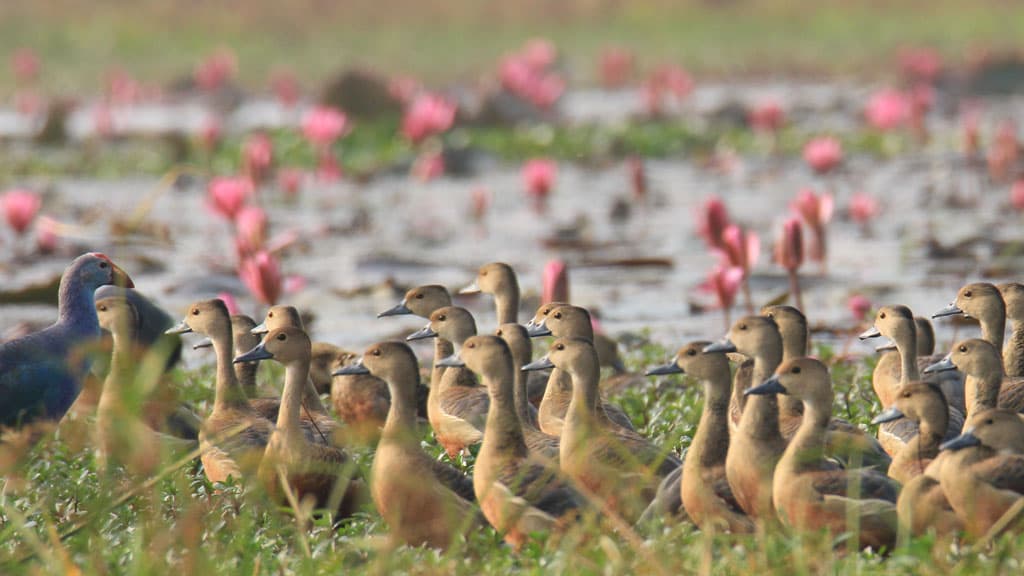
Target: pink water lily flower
290,180
859,306
216,69
250,230
230,302
863,207
257,157
1017,194
529,75
261,274
555,282
615,66
227,195
921,64
712,220
428,115
20,208
767,116
539,53
211,132
47,234
25,65
789,250
323,125
724,282
887,109
403,88
428,166
741,248
816,209
823,154
538,177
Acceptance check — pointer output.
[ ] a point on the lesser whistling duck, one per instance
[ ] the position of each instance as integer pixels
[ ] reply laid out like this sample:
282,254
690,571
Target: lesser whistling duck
889,361
499,280
539,443
121,436
311,470
234,435
1013,352
984,476
844,441
518,493
360,400
568,322
807,493
324,353
41,374
756,444
983,302
422,500
620,466
704,488
458,407
985,387
925,404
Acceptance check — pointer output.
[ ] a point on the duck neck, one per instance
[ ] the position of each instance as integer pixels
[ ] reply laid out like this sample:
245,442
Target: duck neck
926,443
808,445
245,373
228,393
520,396
993,328
765,364
399,427
442,349
506,303
503,433
120,375
982,392
907,349
295,375
711,442
1013,353
584,378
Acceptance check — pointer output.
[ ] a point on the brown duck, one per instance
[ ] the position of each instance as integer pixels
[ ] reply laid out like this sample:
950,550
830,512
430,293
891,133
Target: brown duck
538,442
704,488
422,500
985,386
1013,352
312,471
618,465
925,404
519,493
234,436
807,492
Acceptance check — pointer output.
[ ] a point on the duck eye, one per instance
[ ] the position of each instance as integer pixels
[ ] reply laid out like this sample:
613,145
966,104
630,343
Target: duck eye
881,315
419,296
558,314
195,311
691,352
376,352
471,345
989,421
101,308
743,326
282,337
967,294
962,348
559,346
497,332
270,314
483,273
442,318
795,370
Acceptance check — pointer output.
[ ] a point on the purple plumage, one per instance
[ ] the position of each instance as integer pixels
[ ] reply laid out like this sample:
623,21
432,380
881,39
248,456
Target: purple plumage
41,374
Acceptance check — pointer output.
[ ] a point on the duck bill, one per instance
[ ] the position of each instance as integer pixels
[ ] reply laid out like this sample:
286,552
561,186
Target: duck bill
400,310
944,365
724,345
869,333
452,361
260,329
543,363
768,387
179,328
204,343
258,353
538,330
352,369
951,310
965,440
473,288
886,347
422,334
893,413
664,369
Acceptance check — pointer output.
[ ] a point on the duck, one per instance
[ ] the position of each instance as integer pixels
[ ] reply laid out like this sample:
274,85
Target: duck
704,488
281,316
924,403
312,471
897,323
889,361
457,409
844,441
499,280
41,374
985,386
1013,352
984,476
618,465
983,302
234,436
423,501
324,353
537,441
243,340
568,322
756,443
922,506
121,436
809,494
519,494
361,401
316,424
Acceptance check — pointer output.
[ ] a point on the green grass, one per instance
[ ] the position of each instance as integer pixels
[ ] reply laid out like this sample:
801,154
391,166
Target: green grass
185,524
444,40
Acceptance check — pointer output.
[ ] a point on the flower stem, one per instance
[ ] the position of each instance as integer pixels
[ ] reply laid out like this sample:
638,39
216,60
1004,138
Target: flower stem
794,289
